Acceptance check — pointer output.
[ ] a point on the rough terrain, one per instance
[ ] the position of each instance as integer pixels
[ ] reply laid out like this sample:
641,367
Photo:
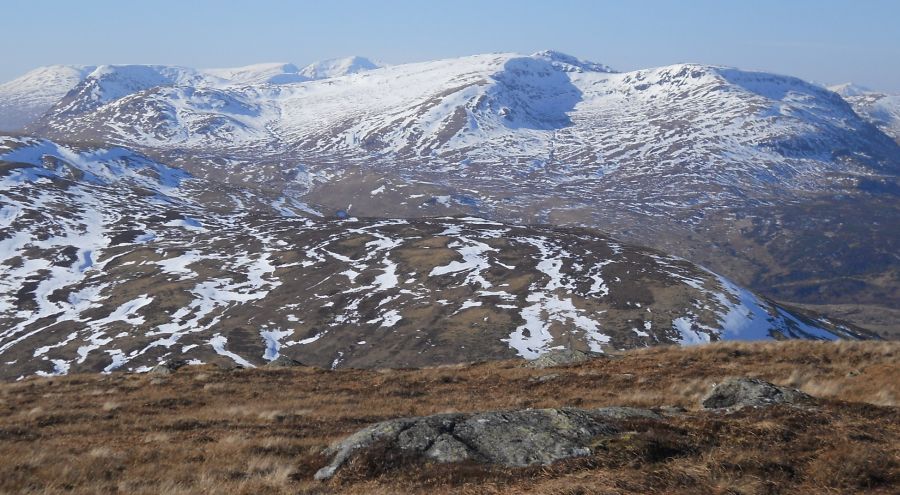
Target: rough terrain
265,431
112,261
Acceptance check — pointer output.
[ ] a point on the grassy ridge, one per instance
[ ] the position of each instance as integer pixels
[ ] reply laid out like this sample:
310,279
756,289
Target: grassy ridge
209,430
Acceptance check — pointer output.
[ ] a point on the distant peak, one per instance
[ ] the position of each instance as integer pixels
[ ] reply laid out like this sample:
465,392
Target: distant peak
849,89
263,73
264,66
62,68
53,73
150,73
338,67
570,63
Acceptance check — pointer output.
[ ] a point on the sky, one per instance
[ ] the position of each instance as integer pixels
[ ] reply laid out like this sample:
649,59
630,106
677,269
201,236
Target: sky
825,41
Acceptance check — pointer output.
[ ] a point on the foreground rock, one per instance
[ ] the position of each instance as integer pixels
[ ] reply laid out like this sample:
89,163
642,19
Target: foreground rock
507,438
744,392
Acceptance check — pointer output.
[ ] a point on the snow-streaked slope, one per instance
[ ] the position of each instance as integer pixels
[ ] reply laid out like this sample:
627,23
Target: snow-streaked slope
670,156
26,98
883,111
517,113
108,264
100,166
109,83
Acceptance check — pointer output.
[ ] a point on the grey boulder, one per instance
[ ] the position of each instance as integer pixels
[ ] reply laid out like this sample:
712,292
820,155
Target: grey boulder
508,438
560,357
168,367
753,392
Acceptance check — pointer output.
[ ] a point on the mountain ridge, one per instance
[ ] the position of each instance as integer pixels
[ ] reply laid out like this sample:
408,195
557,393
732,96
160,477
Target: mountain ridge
26,98
746,172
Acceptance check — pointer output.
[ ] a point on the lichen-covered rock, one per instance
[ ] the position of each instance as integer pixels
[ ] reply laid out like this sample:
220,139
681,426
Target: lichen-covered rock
538,436
743,392
446,448
560,357
508,438
622,412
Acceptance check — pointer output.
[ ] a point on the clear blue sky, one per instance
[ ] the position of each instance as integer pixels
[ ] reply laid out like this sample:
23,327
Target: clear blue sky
826,41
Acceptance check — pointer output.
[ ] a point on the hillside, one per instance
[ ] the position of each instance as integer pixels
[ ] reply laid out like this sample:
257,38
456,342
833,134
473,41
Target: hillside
263,431
112,261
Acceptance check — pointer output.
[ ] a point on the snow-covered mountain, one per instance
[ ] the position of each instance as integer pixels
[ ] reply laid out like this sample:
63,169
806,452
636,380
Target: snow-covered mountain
109,261
509,131
547,110
110,83
749,173
515,114
26,98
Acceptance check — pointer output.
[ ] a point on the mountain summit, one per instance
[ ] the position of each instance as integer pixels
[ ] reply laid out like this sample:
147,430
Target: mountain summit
337,67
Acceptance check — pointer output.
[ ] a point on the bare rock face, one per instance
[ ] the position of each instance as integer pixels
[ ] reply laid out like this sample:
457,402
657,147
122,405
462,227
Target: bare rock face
743,392
507,438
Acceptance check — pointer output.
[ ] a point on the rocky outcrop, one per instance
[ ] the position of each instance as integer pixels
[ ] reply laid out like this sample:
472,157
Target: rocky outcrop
560,357
168,367
508,438
742,392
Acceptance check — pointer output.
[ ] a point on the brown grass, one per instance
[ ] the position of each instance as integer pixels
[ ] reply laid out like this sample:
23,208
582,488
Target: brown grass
204,430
